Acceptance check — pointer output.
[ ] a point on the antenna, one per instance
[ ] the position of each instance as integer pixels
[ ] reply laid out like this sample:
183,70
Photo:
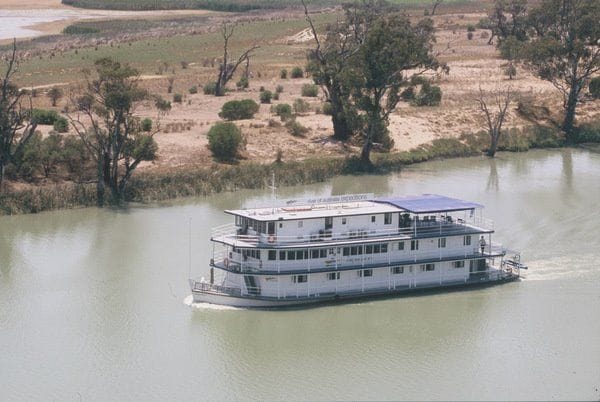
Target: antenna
273,188
190,248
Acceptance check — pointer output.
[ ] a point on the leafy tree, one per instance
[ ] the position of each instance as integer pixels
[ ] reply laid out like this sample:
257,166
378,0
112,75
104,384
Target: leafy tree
238,109
50,153
508,18
55,94
106,122
16,129
564,49
391,48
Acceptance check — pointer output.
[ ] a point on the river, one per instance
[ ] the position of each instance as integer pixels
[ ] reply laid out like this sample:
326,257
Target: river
93,302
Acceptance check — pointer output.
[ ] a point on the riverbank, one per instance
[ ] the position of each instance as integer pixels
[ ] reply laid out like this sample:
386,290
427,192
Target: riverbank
155,185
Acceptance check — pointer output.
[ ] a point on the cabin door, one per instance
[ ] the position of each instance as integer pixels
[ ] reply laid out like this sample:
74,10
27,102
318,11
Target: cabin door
251,285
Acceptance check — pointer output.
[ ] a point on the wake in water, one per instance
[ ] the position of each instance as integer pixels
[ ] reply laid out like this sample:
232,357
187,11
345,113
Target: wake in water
189,301
579,266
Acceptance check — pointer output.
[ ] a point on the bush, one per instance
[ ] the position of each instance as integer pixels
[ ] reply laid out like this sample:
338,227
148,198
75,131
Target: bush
408,94
243,83
283,110
42,116
283,74
301,106
327,108
210,88
276,96
469,35
61,125
296,129
279,89
193,90
470,28
79,30
310,90
587,132
429,95
162,104
266,96
224,140
184,64
238,110
297,72
146,125
594,87
177,98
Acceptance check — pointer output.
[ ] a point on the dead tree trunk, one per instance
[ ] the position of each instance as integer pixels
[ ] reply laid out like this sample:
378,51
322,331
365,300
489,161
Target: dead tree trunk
494,119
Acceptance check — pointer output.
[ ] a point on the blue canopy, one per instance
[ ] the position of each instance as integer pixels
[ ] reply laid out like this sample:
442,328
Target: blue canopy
429,203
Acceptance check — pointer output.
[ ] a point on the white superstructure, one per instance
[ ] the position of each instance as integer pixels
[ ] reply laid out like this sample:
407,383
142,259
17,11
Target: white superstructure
351,246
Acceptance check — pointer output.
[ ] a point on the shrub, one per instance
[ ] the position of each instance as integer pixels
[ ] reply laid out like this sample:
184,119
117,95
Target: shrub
276,96
61,125
408,94
279,89
283,110
210,88
75,155
469,35
310,90
283,74
266,96
327,108
297,72
587,132
296,129
470,28
184,64
224,140
42,116
146,125
429,95
238,109
594,87
162,104
243,83
193,90
177,98
301,106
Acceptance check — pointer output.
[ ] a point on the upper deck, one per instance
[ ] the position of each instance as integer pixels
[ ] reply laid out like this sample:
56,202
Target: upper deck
352,219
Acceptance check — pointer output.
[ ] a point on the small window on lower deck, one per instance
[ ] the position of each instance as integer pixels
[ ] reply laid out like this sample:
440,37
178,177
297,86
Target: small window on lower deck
365,272
299,278
272,255
332,276
427,267
397,270
458,264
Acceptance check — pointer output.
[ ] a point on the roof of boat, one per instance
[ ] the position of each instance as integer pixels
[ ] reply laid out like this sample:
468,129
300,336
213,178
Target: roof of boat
351,205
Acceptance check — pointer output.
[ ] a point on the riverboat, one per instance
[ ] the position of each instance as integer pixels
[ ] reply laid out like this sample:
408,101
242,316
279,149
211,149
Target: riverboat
351,246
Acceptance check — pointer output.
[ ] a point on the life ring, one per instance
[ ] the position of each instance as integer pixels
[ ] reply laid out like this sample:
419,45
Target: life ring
271,239
226,262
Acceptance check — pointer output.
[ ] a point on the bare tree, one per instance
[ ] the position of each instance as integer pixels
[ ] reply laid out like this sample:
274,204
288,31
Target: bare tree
435,4
226,68
494,106
16,127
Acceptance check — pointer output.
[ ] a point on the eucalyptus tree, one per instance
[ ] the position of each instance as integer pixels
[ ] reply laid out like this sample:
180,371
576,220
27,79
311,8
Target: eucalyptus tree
105,120
16,127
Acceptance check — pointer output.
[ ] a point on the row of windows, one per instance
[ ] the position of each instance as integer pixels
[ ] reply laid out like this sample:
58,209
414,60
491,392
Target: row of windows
346,251
396,270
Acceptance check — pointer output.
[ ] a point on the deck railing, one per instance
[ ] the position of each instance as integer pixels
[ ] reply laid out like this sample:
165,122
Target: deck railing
421,228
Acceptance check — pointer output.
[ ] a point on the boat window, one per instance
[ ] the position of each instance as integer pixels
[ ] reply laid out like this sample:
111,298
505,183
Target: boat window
427,267
368,249
291,255
346,251
384,248
414,244
271,228
299,278
365,272
328,222
323,253
314,253
467,241
458,264
373,218
282,255
387,218
401,246
280,225
299,254
397,270
353,250
332,276
343,221
376,248
272,255
441,242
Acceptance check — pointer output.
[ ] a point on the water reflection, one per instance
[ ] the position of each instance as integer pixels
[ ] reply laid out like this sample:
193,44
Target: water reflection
492,183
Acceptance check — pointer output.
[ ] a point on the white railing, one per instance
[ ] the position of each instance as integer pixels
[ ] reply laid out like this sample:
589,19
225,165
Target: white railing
423,228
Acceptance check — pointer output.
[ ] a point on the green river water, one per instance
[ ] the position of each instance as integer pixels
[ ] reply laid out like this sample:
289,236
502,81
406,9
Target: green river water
94,303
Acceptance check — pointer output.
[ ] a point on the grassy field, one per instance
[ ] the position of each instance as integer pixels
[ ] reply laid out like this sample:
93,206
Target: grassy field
150,55
229,5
